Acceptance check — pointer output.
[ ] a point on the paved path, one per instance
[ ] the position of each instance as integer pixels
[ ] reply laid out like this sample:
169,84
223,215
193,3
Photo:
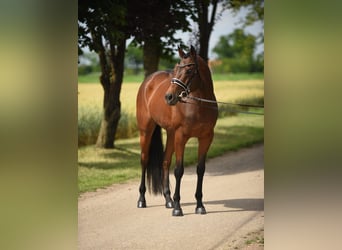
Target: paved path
233,194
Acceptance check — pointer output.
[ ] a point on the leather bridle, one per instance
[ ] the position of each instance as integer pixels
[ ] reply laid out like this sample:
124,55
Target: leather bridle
185,86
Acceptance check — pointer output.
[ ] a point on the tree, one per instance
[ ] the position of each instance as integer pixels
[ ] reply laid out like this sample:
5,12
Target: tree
237,49
205,15
255,12
101,27
205,25
153,24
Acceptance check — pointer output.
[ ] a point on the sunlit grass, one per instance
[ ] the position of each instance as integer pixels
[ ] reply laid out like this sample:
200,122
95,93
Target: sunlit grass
226,91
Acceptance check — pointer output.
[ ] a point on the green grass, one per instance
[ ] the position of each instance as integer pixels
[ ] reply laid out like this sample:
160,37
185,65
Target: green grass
94,77
99,168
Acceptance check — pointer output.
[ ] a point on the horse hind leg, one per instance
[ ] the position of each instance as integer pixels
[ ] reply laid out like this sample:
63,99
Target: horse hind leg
145,140
142,187
180,142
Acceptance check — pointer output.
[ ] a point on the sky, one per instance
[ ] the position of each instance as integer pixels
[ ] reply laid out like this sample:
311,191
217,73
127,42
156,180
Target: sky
224,26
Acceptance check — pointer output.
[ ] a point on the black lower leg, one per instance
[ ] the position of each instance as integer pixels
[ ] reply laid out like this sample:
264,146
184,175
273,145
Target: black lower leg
142,191
179,171
166,186
168,200
200,173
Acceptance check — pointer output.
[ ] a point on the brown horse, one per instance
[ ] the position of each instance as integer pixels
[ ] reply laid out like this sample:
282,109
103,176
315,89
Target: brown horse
167,100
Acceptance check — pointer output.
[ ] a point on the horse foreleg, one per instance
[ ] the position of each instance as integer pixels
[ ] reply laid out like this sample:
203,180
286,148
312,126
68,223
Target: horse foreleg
166,166
178,172
204,144
200,209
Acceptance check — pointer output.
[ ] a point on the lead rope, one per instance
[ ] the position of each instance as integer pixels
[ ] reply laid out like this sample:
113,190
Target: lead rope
184,95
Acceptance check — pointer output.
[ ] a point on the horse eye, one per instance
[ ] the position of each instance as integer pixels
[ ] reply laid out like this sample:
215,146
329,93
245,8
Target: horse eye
188,71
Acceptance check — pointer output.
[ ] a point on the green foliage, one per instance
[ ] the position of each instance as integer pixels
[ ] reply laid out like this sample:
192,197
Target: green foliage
99,20
167,62
153,20
84,69
235,45
88,63
134,58
235,53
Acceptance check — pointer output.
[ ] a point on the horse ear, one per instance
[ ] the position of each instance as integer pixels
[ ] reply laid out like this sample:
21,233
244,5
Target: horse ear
180,52
192,51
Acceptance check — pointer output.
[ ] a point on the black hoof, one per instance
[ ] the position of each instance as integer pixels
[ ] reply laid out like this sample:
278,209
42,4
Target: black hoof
141,204
200,210
169,204
177,212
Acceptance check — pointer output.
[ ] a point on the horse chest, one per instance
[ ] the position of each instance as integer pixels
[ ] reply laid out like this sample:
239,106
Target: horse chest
194,125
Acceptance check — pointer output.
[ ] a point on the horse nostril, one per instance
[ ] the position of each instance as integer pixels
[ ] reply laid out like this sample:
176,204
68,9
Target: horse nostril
168,97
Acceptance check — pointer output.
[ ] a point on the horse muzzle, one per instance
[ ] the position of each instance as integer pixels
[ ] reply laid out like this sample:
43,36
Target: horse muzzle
171,99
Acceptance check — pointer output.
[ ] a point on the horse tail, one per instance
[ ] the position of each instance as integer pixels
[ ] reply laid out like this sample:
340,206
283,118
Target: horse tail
155,162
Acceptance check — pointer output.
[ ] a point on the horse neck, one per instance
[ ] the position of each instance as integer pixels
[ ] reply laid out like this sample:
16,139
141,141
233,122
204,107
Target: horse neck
205,81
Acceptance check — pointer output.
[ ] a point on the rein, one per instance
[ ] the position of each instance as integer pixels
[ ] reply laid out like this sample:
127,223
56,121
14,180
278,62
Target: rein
225,103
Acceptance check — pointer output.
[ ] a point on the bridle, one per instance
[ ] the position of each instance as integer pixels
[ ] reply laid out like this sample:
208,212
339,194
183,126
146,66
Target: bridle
186,94
186,87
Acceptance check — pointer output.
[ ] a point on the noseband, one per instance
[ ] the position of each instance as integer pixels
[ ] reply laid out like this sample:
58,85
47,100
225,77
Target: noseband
181,84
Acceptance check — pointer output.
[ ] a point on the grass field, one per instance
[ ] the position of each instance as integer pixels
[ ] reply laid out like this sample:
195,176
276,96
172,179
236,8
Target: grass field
99,168
91,95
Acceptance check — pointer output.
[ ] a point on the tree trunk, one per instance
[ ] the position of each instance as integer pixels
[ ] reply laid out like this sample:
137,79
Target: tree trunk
205,27
151,57
111,81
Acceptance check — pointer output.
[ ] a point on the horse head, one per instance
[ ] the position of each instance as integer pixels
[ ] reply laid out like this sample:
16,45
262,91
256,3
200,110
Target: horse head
184,75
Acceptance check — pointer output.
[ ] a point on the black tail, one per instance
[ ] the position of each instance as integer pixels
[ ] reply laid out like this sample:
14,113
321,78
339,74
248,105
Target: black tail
155,162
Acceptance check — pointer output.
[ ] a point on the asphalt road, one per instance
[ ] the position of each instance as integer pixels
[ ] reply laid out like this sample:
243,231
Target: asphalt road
233,194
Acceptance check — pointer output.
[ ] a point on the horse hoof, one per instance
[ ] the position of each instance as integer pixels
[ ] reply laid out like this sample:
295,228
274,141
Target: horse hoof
141,204
177,212
200,210
169,204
